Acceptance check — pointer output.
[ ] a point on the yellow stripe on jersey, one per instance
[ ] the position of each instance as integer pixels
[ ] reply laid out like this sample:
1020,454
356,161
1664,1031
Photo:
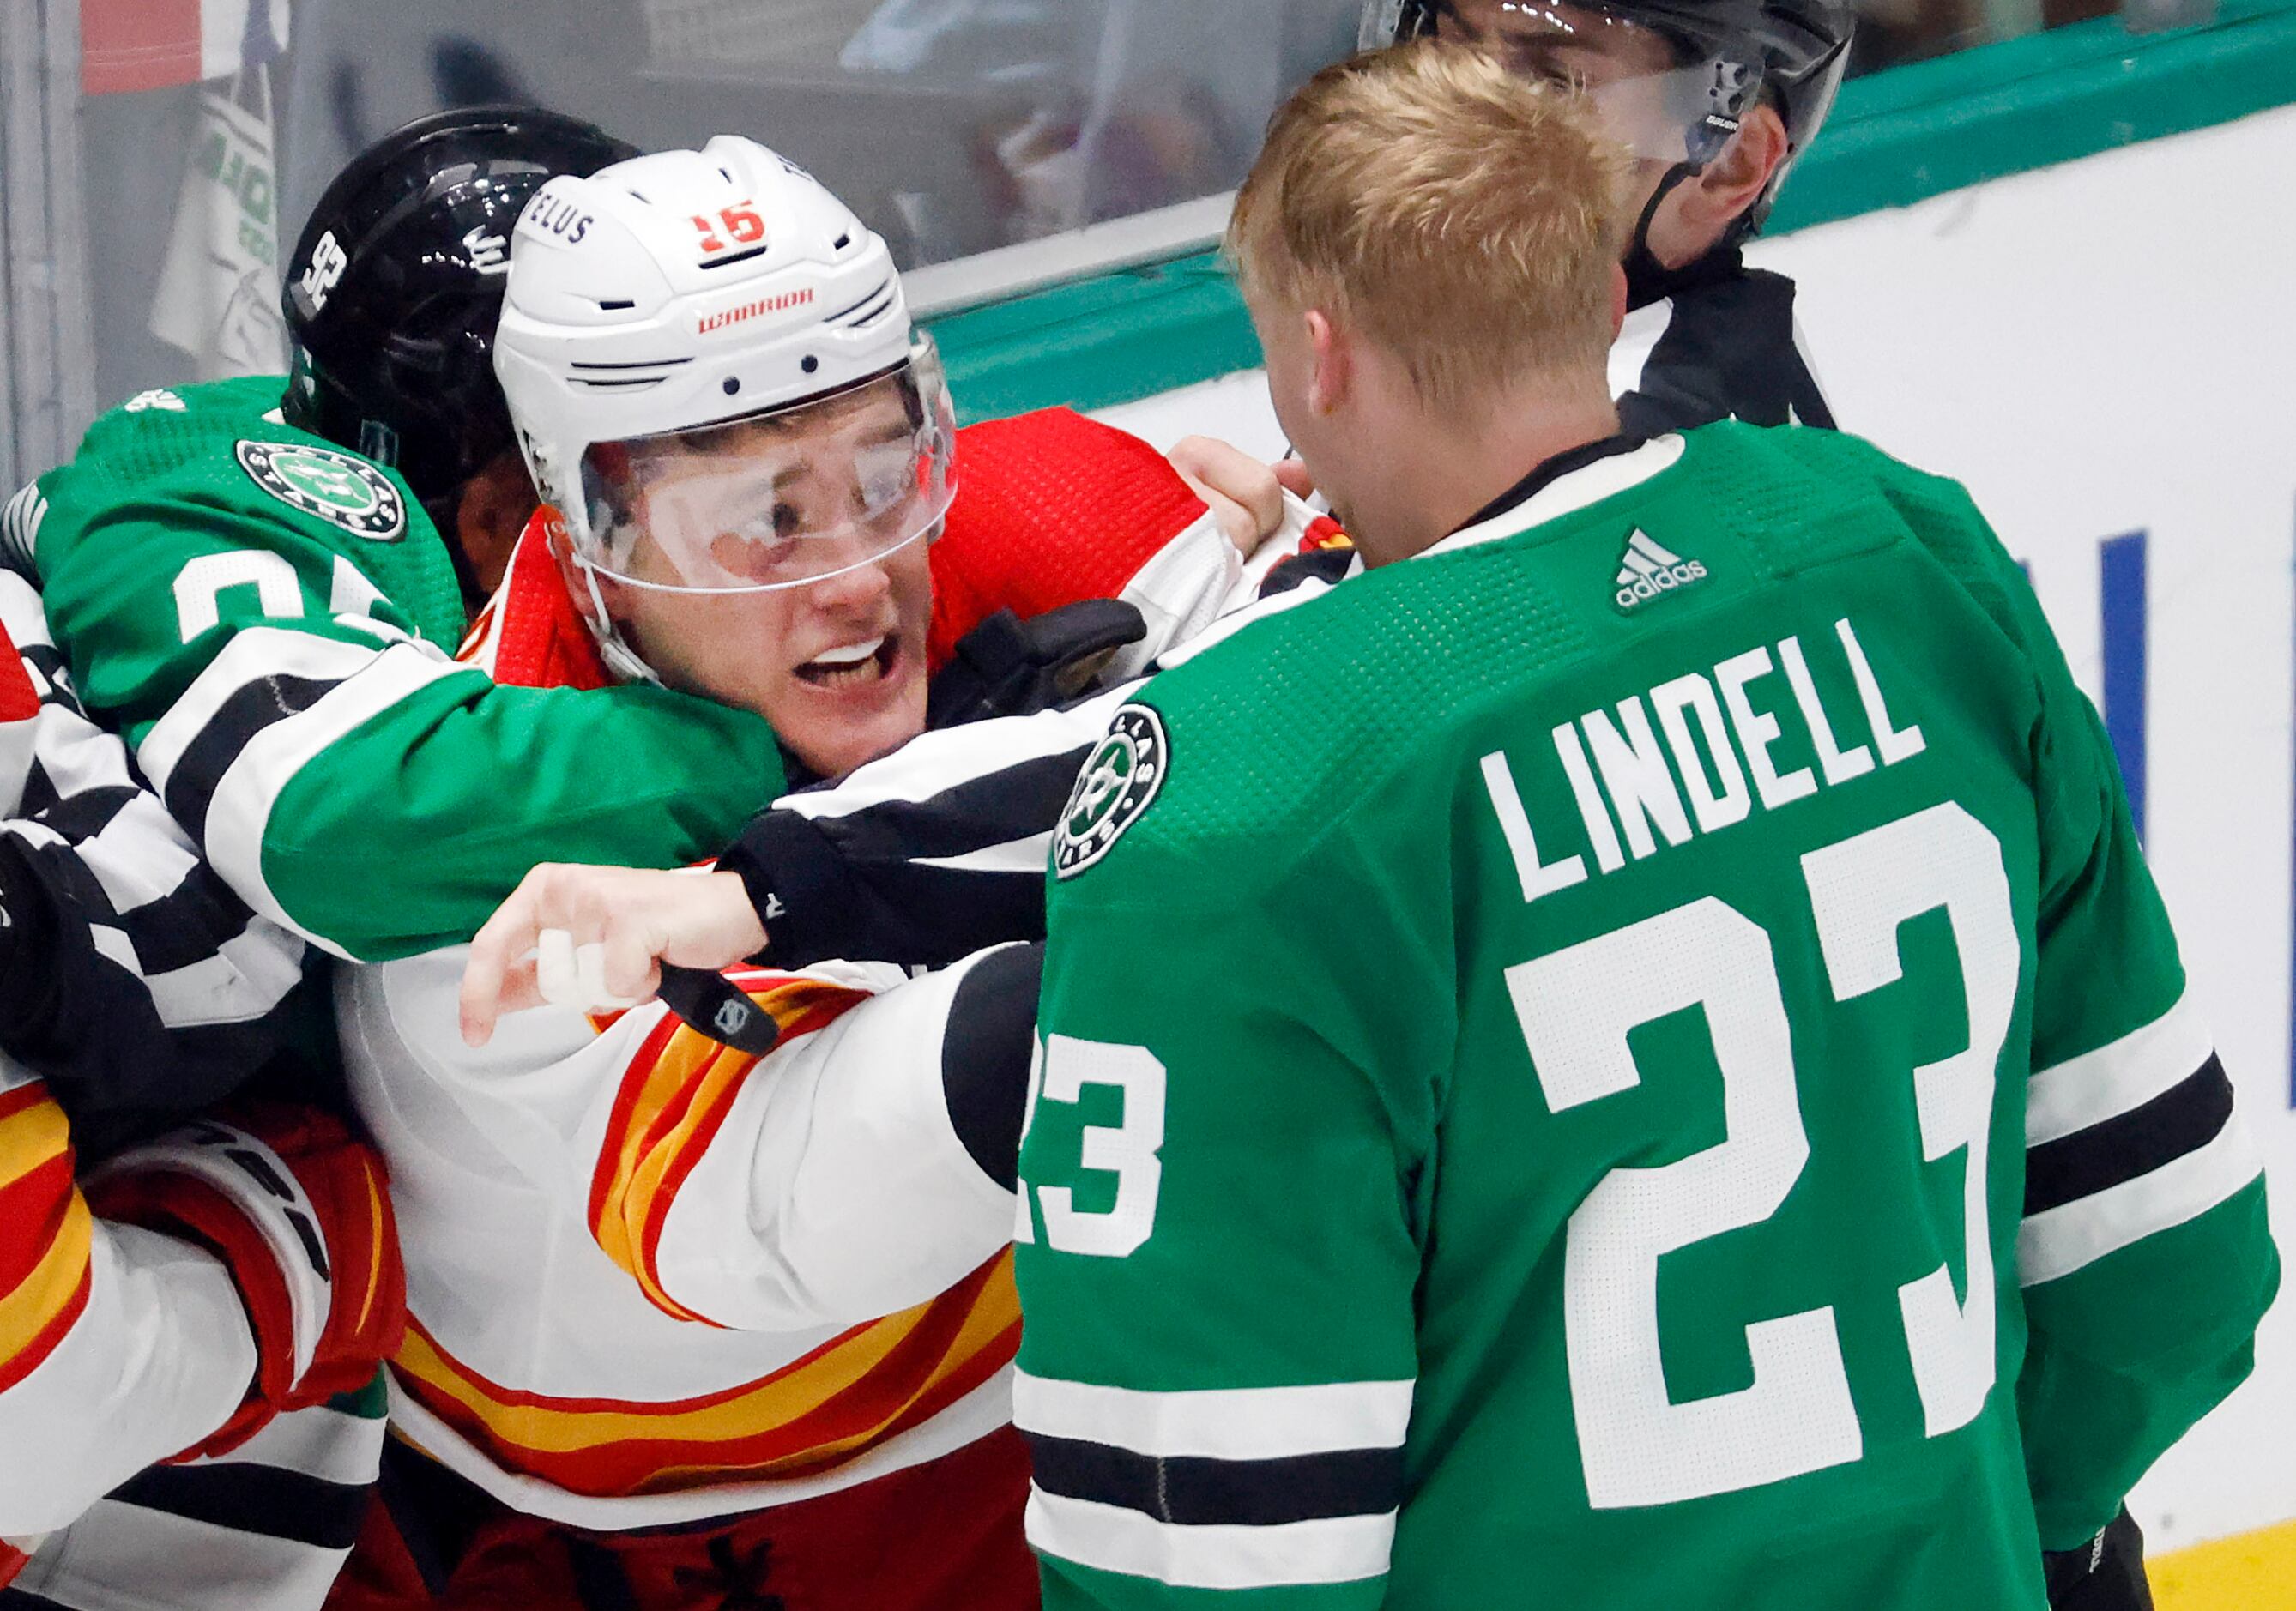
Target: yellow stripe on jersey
36,1313
33,1131
852,1392
674,1097
45,1230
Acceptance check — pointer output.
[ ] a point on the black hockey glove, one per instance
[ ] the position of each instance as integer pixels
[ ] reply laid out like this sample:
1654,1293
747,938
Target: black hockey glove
2107,1574
1006,666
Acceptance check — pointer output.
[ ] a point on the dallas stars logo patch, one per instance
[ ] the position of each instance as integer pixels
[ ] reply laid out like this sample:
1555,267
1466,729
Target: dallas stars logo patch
1118,784
331,486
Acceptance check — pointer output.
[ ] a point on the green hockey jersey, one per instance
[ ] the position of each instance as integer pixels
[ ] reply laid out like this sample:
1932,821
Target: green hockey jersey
1629,1061
269,620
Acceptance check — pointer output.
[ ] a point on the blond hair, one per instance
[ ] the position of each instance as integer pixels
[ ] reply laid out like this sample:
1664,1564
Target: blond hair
1465,219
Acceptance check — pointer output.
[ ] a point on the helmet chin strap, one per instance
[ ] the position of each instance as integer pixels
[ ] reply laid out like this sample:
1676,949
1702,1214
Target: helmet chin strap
620,658
1648,280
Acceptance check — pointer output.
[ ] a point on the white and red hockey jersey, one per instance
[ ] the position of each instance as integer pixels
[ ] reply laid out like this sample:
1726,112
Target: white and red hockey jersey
586,1342
652,1280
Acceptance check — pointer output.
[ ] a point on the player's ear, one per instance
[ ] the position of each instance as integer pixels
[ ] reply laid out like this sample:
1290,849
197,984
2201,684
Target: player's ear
1735,180
1617,298
610,595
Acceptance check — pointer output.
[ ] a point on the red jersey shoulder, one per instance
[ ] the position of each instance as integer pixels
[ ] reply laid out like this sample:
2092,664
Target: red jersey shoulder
1050,508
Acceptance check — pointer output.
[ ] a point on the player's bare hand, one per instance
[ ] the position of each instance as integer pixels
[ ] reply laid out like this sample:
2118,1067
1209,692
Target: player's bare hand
1246,497
595,938
1291,475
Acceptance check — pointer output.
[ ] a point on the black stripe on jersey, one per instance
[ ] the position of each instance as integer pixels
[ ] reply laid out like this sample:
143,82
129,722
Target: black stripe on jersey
1195,1491
20,519
238,723
1328,565
181,928
39,792
995,808
985,1055
186,926
76,818
24,1600
856,885
55,671
2182,1119
246,1498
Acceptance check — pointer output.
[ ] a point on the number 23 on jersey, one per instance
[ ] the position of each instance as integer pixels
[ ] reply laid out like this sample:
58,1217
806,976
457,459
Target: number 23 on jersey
1576,1008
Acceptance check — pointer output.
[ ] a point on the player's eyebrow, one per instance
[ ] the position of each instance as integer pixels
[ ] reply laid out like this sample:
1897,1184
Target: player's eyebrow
884,436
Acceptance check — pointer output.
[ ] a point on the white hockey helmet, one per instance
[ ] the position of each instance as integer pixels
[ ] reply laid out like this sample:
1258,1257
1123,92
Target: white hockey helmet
707,350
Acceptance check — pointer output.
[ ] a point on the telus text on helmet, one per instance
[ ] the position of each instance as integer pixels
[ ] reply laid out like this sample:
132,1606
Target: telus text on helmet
751,310
561,217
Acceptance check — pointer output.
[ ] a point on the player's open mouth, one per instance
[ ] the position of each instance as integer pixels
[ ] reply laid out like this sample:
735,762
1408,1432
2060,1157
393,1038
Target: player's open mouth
853,664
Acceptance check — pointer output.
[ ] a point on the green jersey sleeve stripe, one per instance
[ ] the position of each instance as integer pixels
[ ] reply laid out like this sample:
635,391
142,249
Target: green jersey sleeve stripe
2183,1118
1218,1493
2061,1241
253,657
246,754
1113,1538
1223,1423
2117,1077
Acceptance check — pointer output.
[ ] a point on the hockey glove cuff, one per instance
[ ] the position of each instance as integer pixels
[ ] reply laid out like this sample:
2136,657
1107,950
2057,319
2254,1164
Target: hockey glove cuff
299,1211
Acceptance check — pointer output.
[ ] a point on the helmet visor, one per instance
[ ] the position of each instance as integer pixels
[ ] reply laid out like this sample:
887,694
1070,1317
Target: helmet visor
1664,96
781,498
1684,115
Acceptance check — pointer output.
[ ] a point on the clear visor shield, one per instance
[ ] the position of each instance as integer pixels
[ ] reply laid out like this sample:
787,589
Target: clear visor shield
781,498
1657,106
1686,114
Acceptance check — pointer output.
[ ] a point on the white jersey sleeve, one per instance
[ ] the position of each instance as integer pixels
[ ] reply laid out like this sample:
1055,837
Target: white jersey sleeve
861,1166
1199,578
118,1347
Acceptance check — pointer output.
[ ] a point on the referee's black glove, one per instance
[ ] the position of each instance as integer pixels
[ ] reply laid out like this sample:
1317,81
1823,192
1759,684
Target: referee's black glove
1006,666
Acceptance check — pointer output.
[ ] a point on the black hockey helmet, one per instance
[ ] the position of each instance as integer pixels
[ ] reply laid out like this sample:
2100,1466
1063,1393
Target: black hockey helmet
394,289
1796,49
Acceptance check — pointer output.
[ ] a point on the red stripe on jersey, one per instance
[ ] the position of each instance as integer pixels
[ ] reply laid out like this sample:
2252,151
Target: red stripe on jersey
28,1355
36,1193
35,1208
531,631
16,1098
673,1099
853,1393
45,1231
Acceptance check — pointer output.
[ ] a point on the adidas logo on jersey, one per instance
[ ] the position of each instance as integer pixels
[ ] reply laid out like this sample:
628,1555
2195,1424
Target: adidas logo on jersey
1647,571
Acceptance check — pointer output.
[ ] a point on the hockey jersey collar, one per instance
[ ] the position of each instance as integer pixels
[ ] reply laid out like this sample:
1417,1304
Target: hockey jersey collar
1565,484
